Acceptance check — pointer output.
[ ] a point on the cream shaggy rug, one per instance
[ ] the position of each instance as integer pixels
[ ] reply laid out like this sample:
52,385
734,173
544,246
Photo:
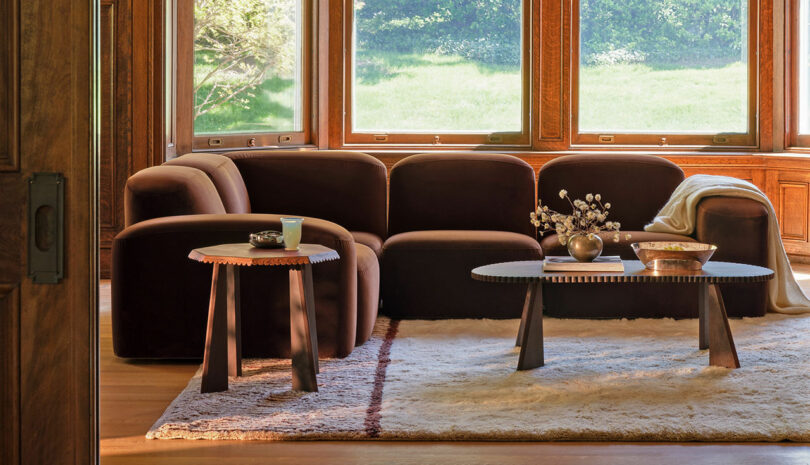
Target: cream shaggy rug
603,380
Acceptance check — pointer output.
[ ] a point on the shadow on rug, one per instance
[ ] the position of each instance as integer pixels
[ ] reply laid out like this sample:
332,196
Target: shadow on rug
630,380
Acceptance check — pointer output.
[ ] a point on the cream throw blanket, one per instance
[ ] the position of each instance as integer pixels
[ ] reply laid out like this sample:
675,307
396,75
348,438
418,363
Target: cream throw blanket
678,217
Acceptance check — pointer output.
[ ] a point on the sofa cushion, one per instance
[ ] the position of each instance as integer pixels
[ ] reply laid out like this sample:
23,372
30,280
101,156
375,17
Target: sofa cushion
162,191
461,190
347,188
223,174
636,186
551,243
372,241
427,274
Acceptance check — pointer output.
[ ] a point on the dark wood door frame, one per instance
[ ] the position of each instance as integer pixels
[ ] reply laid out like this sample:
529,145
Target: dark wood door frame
48,332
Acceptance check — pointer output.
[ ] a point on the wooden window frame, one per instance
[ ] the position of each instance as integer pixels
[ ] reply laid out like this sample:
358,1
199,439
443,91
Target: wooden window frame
413,140
668,141
187,141
793,138
170,78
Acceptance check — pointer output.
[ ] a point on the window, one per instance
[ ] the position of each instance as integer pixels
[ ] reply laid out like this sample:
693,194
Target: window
490,74
437,72
249,65
665,72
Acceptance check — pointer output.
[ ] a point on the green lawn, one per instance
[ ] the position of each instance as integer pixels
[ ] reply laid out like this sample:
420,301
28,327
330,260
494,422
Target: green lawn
432,93
637,98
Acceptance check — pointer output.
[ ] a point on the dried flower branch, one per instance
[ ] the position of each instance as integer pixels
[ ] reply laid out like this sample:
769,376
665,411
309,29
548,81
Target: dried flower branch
587,217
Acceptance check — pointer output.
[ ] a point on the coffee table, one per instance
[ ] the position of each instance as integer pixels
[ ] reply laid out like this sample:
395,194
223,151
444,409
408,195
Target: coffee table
714,331
223,347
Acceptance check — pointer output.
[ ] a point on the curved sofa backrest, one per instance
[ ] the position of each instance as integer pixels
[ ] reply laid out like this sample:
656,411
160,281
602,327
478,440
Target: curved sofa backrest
636,186
461,190
169,191
225,176
347,188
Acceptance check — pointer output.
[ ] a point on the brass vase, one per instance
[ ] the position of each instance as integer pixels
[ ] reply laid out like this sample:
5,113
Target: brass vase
585,247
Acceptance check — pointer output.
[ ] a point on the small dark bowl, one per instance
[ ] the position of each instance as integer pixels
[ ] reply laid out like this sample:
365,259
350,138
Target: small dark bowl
267,240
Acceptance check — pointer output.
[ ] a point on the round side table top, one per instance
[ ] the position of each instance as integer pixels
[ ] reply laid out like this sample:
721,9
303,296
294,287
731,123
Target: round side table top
244,254
634,272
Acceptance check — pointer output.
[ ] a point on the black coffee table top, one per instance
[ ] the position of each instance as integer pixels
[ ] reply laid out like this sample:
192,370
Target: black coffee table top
634,272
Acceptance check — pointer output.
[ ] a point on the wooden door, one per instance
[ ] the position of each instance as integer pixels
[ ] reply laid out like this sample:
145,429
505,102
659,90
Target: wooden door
48,331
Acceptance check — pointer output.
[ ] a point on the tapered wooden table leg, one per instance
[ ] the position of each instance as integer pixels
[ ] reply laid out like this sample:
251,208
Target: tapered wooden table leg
302,329
310,298
234,323
722,352
531,344
215,358
526,307
703,316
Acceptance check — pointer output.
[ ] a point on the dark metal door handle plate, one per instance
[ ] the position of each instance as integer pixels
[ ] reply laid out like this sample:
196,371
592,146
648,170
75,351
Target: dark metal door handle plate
46,221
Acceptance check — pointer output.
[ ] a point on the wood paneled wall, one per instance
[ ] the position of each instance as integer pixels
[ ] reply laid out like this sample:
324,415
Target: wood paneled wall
9,69
131,62
116,118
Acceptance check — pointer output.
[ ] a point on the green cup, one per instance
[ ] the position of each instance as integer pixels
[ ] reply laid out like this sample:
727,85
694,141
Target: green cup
291,230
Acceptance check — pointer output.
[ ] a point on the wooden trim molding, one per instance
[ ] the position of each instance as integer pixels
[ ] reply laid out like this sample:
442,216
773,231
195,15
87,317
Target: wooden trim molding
764,59
9,373
794,140
793,222
184,114
9,86
548,23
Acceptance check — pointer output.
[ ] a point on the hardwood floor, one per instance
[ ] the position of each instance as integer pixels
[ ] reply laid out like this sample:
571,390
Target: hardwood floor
134,395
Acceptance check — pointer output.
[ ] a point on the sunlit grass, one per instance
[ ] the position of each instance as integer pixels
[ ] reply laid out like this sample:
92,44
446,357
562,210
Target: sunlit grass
433,93
638,98
436,93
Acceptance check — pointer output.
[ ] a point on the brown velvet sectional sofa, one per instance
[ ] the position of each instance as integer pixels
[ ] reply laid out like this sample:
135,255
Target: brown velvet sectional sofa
448,213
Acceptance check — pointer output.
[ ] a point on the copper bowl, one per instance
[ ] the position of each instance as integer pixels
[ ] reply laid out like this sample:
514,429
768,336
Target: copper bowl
267,239
667,255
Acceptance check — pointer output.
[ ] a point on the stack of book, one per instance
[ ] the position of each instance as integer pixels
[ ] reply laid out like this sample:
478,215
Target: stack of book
566,263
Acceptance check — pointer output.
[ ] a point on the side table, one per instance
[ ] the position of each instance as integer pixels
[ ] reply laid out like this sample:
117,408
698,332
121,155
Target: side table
223,348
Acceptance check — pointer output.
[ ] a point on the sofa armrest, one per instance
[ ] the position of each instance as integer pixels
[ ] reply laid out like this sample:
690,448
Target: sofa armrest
737,226
202,229
160,296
